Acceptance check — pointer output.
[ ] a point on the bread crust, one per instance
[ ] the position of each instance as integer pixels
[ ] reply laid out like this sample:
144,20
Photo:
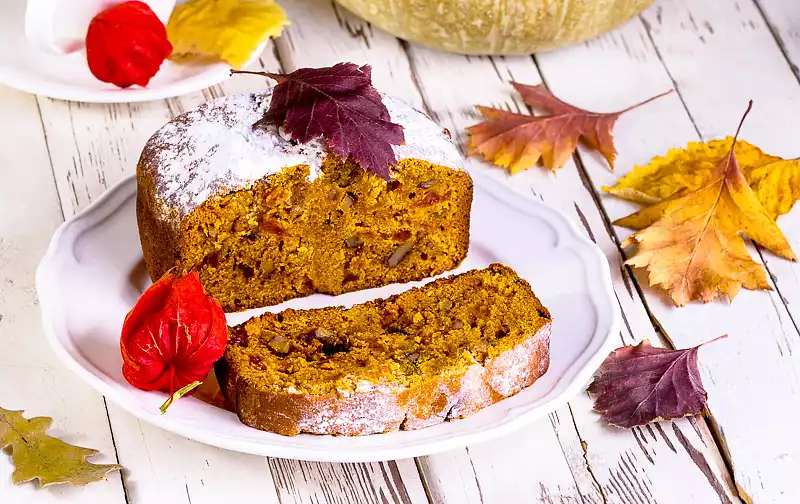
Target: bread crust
212,154
159,239
386,409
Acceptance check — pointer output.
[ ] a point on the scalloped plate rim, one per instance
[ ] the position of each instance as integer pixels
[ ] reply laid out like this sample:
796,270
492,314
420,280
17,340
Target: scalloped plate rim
577,373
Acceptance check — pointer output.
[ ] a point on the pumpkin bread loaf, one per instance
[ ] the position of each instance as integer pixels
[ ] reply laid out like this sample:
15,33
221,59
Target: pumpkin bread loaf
438,352
264,219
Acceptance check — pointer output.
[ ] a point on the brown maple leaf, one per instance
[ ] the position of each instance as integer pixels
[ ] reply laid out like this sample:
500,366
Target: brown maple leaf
691,243
518,141
640,384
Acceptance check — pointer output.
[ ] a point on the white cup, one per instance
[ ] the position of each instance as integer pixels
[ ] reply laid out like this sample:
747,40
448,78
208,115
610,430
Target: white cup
59,26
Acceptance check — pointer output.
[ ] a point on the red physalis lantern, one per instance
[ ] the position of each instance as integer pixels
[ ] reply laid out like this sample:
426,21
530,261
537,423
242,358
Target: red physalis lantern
126,44
173,335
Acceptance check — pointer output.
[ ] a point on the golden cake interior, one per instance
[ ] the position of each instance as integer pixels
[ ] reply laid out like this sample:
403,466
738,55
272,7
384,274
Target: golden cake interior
401,340
347,230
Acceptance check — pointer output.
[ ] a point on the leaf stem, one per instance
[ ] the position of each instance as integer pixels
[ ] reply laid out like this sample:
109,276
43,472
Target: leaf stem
665,93
713,340
249,72
732,152
741,121
178,394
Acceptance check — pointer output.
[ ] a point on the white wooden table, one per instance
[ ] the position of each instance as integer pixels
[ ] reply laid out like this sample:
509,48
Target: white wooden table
56,157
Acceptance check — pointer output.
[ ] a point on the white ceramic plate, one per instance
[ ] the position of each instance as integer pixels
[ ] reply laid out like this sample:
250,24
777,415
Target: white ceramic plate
93,273
67,77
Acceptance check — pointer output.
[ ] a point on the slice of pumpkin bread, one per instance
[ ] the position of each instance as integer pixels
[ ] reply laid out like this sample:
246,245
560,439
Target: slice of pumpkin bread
433,353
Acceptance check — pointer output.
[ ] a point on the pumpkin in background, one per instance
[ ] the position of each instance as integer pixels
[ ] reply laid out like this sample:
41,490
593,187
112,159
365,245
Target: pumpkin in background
496,26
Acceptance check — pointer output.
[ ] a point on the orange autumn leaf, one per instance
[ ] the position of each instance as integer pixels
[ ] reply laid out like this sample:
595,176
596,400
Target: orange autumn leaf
518,141
691,242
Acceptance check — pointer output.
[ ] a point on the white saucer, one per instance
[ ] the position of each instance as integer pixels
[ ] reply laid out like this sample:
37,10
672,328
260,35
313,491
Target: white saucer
93,273
67,77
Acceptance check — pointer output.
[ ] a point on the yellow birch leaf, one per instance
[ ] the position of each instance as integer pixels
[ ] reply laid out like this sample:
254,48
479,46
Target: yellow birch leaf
50,460
691,242
776,181
227,30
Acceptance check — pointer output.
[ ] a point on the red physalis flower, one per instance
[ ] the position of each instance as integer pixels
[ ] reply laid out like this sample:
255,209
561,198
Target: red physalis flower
340,105
173,335
126,44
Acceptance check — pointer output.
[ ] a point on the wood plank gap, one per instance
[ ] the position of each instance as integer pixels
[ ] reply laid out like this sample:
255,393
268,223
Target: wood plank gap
474,473
778,39
273,43
647,30
701,464
663,336
584,448
356,33
52,167
416,81
276,53
719,439
283,50
773,277
114,444
424,480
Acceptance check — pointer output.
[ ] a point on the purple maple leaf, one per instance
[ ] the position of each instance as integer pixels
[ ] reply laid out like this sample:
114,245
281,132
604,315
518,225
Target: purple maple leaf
639,384
340,105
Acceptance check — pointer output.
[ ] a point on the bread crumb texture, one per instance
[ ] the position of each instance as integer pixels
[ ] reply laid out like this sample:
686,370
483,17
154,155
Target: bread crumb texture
346,230
440,351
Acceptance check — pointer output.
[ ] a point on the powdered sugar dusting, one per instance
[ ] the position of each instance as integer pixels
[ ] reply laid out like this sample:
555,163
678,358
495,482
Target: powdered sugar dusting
374,408
515,369
213,150
356,413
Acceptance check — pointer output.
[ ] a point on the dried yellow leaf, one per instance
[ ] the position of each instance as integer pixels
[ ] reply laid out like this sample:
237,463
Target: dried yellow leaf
776,181
691,244
227,30
50,460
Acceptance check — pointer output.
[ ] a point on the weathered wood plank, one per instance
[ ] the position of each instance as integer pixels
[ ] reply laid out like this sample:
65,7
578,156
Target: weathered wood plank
395,482
783,19
706,49
450,477
492,472
323,33
95,146
599,457
32,378
165,467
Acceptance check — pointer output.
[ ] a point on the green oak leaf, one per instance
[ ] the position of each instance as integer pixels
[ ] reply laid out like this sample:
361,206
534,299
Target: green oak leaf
36,455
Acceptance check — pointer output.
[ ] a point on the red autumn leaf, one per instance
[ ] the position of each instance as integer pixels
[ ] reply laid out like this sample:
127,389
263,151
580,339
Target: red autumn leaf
340,105
640,384
126,44
518,141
